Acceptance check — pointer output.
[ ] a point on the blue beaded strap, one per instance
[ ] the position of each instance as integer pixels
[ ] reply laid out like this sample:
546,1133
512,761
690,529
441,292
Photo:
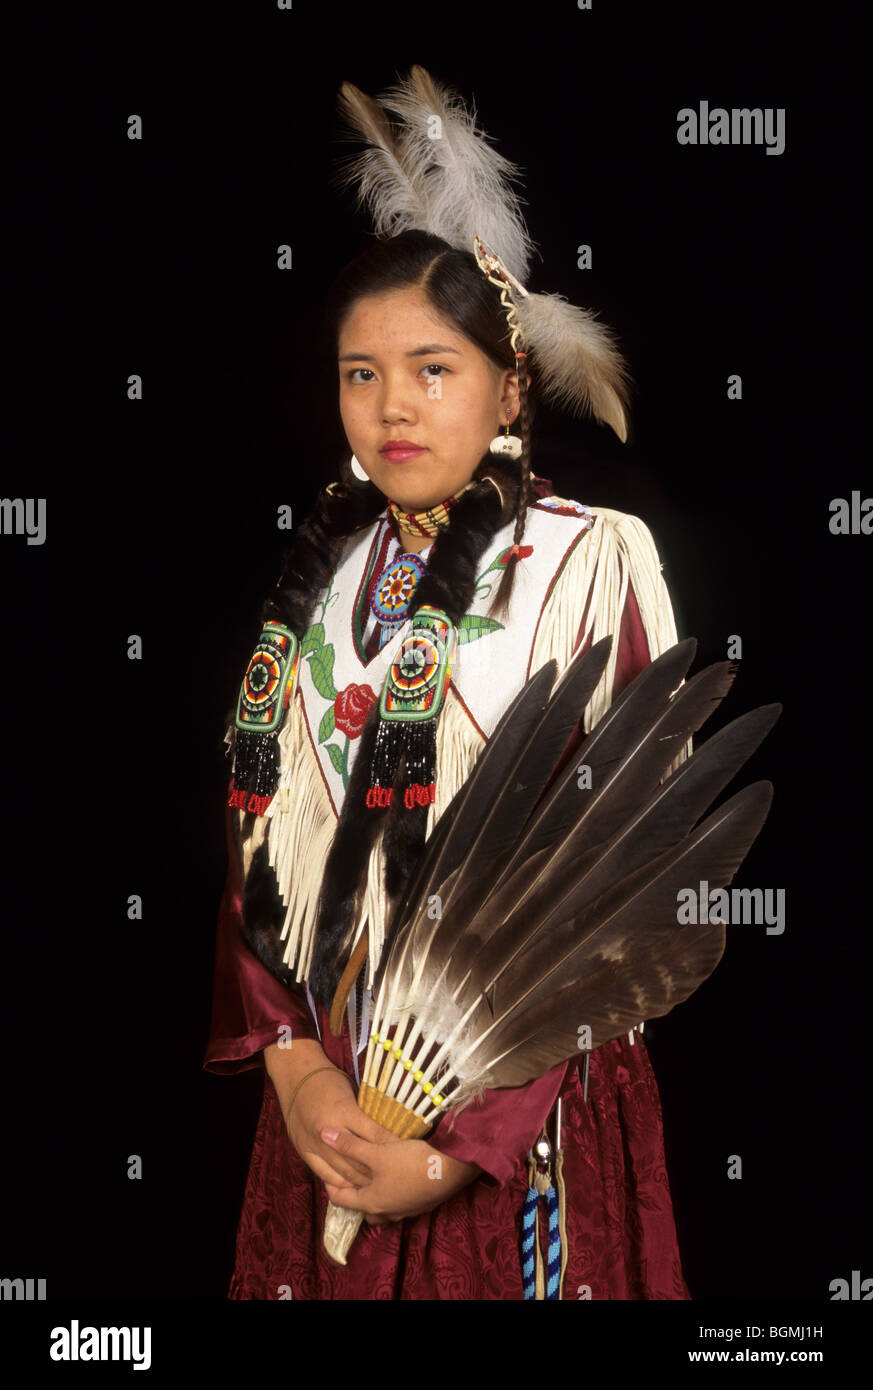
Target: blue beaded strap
543,1180
528,1244
528,1238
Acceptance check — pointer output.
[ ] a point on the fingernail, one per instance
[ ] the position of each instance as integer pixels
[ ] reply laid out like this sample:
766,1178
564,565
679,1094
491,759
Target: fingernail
330,1136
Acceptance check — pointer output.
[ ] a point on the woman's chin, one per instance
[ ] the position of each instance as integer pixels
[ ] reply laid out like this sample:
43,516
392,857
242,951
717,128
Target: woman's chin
410,482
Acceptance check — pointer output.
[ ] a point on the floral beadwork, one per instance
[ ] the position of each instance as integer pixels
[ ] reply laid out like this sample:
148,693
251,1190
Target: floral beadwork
347,709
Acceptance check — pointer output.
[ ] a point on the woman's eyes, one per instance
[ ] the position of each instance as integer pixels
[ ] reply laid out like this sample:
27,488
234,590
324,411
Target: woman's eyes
430,369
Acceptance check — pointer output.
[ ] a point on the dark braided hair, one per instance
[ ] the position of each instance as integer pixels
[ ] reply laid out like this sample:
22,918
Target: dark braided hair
460,293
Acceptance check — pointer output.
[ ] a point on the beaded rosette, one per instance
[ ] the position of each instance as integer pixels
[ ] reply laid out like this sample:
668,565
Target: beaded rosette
394,592
261,705
411,699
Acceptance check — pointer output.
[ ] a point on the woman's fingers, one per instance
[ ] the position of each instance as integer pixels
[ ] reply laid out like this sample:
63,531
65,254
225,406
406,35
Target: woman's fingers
306,1140
351,1117
330,1174
352,1170
346,1145
344,1196
367,1128
357,1200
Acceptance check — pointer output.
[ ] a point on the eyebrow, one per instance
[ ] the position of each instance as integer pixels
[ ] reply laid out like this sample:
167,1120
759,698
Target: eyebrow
416,352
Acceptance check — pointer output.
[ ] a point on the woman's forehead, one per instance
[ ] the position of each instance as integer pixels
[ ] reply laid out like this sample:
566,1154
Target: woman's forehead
397,315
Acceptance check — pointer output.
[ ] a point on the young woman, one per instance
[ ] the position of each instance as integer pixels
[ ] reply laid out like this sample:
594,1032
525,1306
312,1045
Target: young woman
429,514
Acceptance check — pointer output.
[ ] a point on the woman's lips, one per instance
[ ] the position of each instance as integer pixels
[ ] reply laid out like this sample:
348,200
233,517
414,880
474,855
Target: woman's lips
400,453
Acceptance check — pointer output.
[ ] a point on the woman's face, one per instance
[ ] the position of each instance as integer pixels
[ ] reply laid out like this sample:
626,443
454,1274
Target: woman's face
406,374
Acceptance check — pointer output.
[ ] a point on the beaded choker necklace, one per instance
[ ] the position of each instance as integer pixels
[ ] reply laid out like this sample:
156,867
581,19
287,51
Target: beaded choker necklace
431,520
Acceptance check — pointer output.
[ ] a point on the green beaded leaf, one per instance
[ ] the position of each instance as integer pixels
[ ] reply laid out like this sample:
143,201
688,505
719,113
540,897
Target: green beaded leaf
336,757
327,725
472,626
321,666
312,639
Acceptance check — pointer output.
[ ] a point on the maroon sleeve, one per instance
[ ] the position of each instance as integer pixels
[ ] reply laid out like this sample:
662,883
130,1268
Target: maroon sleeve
248,1004
499,1130
633,657
633,649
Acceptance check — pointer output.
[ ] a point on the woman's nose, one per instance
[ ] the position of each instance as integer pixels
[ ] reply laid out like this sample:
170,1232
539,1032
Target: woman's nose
397,401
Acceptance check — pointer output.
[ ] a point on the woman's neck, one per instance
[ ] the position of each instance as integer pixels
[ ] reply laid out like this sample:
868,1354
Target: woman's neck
415,543
407,542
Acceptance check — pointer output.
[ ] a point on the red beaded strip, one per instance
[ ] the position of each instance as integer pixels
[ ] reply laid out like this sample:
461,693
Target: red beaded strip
246,801
416,795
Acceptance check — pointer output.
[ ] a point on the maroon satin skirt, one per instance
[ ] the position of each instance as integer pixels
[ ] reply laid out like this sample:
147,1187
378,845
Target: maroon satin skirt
621,1235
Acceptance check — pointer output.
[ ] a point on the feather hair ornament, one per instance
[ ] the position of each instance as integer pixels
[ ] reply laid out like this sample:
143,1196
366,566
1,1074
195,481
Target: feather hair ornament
546,903
439,173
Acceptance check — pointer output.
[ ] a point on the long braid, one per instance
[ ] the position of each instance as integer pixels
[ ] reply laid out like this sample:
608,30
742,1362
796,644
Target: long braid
525,491
308,562
313,554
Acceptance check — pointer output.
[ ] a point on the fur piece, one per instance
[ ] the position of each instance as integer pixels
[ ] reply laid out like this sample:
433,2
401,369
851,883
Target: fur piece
345,872
262,915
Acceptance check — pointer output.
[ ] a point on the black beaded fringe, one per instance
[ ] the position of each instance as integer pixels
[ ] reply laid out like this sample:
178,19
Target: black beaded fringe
414,739
256,764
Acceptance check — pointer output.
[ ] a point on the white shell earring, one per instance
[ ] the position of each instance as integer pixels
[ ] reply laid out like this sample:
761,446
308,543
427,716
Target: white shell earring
506,445
358,471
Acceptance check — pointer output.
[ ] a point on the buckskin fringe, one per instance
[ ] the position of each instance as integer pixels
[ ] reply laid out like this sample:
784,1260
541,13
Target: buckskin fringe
458,746
299,837
618,550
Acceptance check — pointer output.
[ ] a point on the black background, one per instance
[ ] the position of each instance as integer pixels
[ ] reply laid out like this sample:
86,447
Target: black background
158,257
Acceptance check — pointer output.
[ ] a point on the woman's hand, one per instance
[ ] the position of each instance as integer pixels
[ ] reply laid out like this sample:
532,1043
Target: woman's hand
406,1178
328,1100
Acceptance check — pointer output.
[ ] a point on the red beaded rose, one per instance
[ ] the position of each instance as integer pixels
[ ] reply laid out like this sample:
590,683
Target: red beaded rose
351,707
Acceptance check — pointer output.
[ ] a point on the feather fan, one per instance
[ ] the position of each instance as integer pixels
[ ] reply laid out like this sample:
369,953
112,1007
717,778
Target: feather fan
547,902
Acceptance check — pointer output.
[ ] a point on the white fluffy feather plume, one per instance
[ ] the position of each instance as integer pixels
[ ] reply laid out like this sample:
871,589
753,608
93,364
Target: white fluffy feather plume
576,362
434,175
395,198
468,182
